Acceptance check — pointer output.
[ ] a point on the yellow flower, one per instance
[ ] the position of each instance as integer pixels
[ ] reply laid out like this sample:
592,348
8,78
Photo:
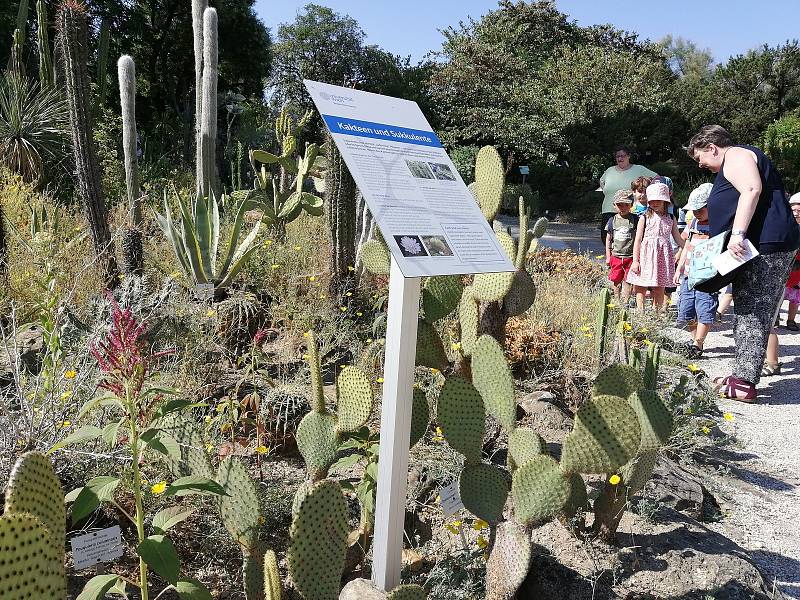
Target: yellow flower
728,417
66,394
261,519
70,374
297,248
456,346
312,278
305,356
268,242
262,450
208,419
627,326
359,314
644,330
438,499
175,274
220,407
369,340
158,488
479,524
348,294
379,380
275,266
585,328
612,305
210,312
588,335
434,371
453,527
693,368
482,543
306,333
343,308
322,296
599,256
706,430
351,268
648,342
65,424
439,431
209,447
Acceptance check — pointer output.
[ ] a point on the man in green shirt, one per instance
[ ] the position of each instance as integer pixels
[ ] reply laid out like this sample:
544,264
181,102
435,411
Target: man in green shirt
618,177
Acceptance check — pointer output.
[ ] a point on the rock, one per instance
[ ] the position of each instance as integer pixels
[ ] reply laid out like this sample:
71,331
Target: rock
672,338
27,345
361,589
545,416
674,486
412,560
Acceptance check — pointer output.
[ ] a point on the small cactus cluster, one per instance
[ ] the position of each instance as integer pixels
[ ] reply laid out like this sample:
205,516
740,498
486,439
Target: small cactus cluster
320,431
32,531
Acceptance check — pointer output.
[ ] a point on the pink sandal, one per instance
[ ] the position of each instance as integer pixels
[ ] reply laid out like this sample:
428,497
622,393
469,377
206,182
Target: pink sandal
734,388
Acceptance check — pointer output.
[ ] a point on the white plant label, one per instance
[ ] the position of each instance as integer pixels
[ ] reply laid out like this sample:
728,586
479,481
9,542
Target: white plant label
450,499
204,291
428,217
96,547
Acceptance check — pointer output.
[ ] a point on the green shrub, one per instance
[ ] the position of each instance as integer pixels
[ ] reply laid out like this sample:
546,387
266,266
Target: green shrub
463,158
782,143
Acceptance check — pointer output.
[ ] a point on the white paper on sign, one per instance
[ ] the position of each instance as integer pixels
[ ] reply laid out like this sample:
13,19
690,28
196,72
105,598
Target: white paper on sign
428,217
450,499
96,547
726,262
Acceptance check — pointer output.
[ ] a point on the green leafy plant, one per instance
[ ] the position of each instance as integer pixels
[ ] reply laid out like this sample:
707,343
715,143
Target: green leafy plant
137,404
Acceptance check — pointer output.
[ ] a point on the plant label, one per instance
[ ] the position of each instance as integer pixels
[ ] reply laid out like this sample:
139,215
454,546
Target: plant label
96,547
427,215
204,291
450,499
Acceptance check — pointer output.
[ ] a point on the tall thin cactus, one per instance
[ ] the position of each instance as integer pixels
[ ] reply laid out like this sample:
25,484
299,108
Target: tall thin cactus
73,31
198,7
132,237
22,16
340,192
46,75
16,63
206,169
102,61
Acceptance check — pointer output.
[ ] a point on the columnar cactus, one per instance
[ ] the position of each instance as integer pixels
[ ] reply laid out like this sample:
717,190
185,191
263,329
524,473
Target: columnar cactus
320,431
32,532
272,579
46,75
72,25
602,327
16,63
102,61
198,8
132,236
206,167
340,201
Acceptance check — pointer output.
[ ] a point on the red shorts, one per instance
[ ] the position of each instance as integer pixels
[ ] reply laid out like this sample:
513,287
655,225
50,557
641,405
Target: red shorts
619,269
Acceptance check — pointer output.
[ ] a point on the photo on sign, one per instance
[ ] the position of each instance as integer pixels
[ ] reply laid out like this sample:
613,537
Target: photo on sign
419,169
410,245
442,171
436,245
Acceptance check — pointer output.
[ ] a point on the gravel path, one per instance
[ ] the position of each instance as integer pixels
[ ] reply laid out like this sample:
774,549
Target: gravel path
762,496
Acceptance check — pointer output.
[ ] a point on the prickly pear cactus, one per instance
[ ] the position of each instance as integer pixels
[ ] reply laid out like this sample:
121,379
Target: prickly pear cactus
375,257
655,419
194,458
240,509
578,500
468,311
490,178
355,399
31,564
318,545
509,562
34,488
616,380
606,435
407,592
492,287
483,489
492,378
420,416
521,295
539,489
430,349
317,441
462,417
523,445
272,578
440,296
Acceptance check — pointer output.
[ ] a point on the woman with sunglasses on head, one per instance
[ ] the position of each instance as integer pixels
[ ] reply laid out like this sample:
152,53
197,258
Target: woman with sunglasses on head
618,177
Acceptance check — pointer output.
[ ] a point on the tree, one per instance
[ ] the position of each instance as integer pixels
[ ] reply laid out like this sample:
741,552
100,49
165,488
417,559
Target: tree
686,59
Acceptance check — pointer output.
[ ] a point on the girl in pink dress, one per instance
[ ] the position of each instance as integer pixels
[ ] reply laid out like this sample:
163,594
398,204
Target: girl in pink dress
653,258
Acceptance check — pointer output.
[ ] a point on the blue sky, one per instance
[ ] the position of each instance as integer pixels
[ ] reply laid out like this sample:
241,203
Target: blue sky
726,27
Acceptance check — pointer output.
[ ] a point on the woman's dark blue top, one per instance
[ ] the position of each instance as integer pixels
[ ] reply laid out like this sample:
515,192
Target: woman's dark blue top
772,228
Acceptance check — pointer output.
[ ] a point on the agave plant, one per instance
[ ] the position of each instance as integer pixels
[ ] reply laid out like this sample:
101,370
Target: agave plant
33,125
196,238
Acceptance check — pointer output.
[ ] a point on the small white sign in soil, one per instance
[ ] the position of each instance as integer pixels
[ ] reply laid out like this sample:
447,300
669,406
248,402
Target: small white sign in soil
450,499
96,547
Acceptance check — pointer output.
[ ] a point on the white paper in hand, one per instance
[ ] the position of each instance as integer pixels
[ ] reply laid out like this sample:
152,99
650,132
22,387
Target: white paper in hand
726,262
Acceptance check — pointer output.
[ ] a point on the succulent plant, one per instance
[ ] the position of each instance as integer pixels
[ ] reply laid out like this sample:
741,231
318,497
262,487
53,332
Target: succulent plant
430,349
601,329
509,561
420,416
492,378
133,258
102,60
272,578
320,431
33,488
198,7
484,490
318,545
440,296
462,417
375,257
340,196
490,178
207,166
539,489
523,445
194,459
46,75
196,239
407,592
31,564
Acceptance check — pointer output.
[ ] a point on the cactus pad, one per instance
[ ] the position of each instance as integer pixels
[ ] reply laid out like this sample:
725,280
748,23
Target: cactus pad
318,545
407,592
655,419
375,256
489,181
272,578
521,296
578,500
462,418
317,442
492,287
440,296
539,490
508,563
240,509
484,490
355,399
468,319
539,228
420,416
508,244
523,445
605,436
492,378
637,472
430,349
253,575
31,564
34,488
194,458
616,380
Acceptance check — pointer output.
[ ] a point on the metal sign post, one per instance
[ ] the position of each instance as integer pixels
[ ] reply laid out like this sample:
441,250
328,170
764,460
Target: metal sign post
398,386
